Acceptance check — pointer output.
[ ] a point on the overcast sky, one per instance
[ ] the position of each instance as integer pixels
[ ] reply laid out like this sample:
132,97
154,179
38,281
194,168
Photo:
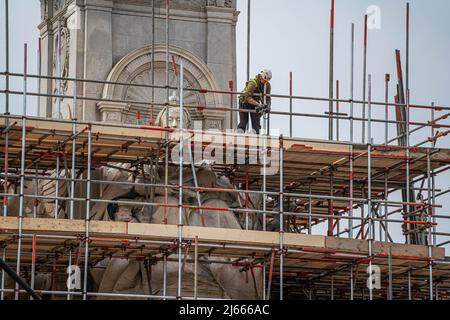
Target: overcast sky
293,35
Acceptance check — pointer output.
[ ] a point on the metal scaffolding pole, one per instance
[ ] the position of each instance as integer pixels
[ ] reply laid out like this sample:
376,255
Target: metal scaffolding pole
408,166
351,283
409,285
39,66
7,57
371,221
5,199
180,190
2,285
195,267
22,170
74,146
166,158
386,125
33,263
281,217
429,219
386,208
290,104
165,273
352,73
87,214
331,75
364,81
55,210
390,296
152,122
248,37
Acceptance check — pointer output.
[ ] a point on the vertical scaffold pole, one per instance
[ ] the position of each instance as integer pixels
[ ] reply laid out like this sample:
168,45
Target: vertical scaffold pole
2,293
164,274
248,37
364,82
7,57
408,182
351,282
33,263
409,286
390,297
332,288
87,217
231,87
281,217
152,121
180,186
265,137
352,64
429,220
331,75
74,147
369,184
310,209
386,109
166,158
39,67
195,267
337,110
407,47
5,198
290,104
386,207
55,210
36,184
22,168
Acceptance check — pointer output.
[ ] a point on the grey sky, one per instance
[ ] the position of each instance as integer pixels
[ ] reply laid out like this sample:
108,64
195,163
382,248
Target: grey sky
293,35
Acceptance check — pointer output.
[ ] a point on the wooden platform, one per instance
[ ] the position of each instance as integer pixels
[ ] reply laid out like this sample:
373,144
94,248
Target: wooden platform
307,257
310,165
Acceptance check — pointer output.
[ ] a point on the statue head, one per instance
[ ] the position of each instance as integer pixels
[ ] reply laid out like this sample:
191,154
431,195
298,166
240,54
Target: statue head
174,115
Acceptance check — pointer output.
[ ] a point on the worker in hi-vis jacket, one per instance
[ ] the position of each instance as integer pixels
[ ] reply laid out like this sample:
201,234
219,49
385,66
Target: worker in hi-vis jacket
253,99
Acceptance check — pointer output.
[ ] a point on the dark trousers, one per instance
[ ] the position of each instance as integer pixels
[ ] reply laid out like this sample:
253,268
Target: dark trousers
243,116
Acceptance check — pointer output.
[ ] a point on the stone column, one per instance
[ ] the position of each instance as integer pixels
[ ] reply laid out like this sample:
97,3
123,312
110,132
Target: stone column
46,34
220,48
98,58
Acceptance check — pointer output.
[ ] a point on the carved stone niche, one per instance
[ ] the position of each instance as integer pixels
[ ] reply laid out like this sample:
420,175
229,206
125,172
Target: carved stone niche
136,69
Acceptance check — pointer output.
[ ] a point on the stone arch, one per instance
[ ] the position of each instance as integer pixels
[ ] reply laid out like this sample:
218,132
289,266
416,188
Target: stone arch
135,68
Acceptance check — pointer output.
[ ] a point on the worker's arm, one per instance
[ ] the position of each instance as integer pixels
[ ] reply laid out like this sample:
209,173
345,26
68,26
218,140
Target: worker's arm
247,96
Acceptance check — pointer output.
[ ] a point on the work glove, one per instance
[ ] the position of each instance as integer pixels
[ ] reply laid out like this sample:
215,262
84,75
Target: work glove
262,108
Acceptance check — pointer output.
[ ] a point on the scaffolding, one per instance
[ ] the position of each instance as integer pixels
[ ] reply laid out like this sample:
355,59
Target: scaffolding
345,186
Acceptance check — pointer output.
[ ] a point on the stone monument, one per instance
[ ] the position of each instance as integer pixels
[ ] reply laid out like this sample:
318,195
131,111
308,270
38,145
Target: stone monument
112,40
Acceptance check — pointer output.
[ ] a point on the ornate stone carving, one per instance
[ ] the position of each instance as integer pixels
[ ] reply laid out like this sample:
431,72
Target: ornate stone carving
44,10
136,68
58,5
213,124
220,3
64,59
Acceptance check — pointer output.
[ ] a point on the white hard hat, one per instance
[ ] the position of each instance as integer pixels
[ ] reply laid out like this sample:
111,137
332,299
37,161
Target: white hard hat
266,74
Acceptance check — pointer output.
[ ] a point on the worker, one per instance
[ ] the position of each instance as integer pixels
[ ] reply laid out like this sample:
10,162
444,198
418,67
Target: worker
253,98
